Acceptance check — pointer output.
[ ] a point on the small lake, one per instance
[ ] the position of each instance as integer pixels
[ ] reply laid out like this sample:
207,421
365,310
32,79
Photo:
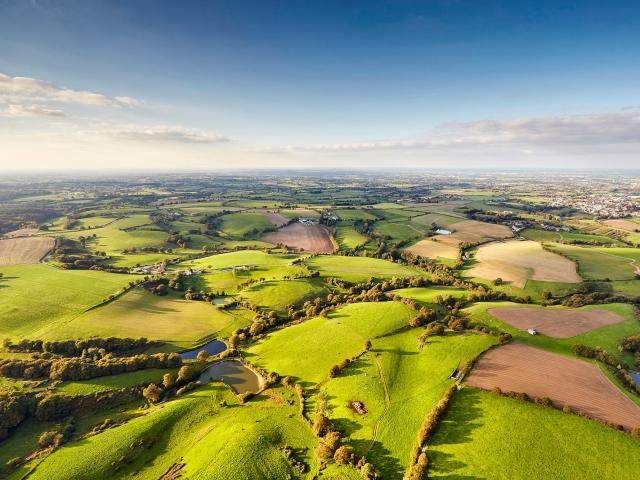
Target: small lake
214,347
442,231
234,374
635,376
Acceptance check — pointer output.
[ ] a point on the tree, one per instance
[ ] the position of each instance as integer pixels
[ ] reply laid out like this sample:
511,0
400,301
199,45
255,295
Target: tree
343,455
152,392
202,356
498,281
47,439
167,380
185,373
320,424
367,345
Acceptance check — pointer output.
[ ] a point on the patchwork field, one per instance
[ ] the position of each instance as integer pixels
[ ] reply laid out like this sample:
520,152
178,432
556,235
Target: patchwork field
16,251
554,322
623,224
244,224
566,381
277,295
488,436
348,237
434,249
519,261
304,238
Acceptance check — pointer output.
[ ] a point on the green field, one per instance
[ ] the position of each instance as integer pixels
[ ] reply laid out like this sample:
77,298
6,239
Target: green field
607,337
441,220
401,230
37,299
358,269
601,263
242,224
548,236
348,237
276,295
169,318
307,350
246,440
355,214
397,363
428,294
488,436
113,382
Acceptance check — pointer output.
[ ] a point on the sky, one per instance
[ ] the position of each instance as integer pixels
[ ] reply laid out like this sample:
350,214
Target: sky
207,85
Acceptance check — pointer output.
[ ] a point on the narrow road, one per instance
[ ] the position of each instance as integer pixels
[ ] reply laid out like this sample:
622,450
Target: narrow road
387,402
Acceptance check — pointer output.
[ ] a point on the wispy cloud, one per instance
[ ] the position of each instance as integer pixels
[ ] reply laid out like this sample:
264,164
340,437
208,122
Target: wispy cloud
30,110
617,128
19,90
157,133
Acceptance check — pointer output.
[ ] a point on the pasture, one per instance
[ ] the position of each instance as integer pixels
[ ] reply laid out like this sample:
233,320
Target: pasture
358,269
602,263
138,313
519,261
484,435
307,350
385,381
16,251
244,224
303,238
348,237
37,299
276,295
566,381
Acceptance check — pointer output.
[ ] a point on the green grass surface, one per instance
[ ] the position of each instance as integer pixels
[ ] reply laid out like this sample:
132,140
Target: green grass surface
114,382
307,350
358,269
415,380
276,295
240,224
485,436
547,236
348,237
355,214
36,299
607,337
440,219
401,230
428,294
600,263
169,318
245,441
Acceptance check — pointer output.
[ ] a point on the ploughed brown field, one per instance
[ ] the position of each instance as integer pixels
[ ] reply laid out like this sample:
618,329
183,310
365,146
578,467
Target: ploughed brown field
276,219
556,323
15,251
307,238
623,224
432,249
566,381
22,232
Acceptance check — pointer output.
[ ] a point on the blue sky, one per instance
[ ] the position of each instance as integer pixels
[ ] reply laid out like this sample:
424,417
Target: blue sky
324,83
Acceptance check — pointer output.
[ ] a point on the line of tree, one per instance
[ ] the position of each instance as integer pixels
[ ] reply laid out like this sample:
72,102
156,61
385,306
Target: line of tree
74,348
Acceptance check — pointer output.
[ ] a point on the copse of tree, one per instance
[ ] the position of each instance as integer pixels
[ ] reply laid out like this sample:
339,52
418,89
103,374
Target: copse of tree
25,369
152,392
74,348
14,408
82,369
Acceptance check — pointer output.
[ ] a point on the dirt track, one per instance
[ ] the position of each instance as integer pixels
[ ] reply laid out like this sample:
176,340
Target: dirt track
16,251
308,238
538,373
556,323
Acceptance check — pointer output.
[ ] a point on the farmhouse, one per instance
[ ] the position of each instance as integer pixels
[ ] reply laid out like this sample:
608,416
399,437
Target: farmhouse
532,331
307,221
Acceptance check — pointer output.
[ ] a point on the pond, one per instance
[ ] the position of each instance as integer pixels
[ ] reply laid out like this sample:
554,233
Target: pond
635,376
442,231
234,374
214,347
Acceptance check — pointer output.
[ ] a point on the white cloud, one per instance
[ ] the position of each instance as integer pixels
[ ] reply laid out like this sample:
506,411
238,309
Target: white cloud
157,133
553,133
26,89
31,110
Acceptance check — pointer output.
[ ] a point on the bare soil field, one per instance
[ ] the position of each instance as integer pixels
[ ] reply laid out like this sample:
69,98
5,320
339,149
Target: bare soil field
623,224
23,232
556,323
566,381
433,249
15,251
518,261
307,238
473,231
276,219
